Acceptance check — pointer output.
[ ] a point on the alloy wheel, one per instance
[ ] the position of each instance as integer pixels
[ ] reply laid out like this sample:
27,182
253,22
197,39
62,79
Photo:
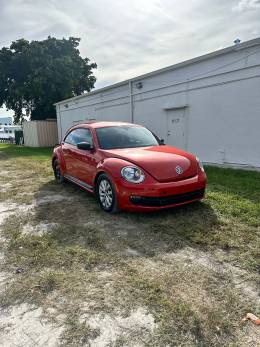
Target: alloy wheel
105,194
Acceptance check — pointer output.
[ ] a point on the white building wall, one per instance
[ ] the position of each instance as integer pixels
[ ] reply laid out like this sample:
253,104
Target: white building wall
109,105
214,101
224,123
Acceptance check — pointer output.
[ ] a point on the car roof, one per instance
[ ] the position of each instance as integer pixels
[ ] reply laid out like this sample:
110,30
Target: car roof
93,124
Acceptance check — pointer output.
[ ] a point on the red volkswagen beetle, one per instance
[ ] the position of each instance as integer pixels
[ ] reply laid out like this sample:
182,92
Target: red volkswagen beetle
127,167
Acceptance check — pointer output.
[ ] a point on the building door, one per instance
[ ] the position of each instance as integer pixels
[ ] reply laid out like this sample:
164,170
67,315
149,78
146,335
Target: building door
176,128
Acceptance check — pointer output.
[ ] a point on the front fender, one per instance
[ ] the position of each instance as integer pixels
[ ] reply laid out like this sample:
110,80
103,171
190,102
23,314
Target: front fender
57,154
113,167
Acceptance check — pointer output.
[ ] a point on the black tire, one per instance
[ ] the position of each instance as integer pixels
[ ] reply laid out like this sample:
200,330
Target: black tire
106,194
57,173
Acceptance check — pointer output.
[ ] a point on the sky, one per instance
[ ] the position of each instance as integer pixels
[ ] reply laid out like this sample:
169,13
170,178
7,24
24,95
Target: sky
127,38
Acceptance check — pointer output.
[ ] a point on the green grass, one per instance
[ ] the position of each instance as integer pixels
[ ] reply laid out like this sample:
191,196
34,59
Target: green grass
239,183
235,193
13,151
194,267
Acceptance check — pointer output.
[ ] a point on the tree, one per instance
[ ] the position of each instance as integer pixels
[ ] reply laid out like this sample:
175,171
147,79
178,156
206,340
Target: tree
34,75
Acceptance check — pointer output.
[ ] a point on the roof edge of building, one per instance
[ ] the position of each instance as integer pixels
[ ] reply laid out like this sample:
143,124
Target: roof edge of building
243,45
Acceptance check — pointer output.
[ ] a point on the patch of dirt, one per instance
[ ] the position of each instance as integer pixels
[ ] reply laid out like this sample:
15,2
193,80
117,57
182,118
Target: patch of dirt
249,335
3,279
239,277
187,274
23,326
5,173
51,198
38,229
20,325
7,209
131,331
130,252
4,187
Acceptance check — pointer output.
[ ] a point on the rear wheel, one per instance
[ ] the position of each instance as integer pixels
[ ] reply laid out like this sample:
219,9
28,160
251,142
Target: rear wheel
57,173
106,194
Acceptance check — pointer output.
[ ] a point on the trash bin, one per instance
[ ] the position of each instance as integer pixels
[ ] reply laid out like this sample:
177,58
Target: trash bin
18,135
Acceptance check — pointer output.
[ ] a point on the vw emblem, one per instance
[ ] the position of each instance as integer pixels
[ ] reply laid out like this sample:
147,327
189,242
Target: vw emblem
179,170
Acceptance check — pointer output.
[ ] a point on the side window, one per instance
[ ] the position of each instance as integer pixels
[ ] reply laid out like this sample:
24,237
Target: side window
79,135
84,135
70,138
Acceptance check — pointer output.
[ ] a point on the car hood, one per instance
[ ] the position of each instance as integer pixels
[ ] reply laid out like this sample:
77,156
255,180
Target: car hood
159,161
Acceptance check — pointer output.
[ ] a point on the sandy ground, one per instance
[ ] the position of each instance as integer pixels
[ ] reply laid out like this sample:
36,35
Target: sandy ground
26,326
23,325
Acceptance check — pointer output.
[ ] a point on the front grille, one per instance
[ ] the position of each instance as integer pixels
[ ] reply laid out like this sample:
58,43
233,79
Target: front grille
166,200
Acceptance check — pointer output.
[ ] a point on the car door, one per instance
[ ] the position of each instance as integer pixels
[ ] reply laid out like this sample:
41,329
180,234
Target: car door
68,146
87,160
84,161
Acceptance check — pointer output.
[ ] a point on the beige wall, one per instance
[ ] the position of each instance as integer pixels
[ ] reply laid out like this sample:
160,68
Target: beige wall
30,134
47,133
40,133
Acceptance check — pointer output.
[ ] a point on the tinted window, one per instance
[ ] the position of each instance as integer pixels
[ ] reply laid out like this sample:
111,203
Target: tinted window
125,137
79,135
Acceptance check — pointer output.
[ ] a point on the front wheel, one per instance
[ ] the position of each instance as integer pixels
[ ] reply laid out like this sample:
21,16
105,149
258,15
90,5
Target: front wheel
106,194
57,173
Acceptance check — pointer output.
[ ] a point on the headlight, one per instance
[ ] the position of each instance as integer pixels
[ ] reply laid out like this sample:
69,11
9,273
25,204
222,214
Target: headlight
132,174
200,164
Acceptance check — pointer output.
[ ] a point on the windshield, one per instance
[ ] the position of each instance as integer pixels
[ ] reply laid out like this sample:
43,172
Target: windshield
125,137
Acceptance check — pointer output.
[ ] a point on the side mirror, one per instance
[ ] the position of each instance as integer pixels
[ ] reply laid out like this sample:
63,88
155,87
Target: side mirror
84,145
161,142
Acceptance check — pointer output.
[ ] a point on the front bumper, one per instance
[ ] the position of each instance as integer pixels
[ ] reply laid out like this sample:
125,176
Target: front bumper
164,201
156,195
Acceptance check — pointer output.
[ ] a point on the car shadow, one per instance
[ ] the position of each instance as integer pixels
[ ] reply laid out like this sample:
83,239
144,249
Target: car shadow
75,218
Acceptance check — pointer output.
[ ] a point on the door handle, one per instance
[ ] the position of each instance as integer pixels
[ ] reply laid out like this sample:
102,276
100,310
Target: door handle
168,133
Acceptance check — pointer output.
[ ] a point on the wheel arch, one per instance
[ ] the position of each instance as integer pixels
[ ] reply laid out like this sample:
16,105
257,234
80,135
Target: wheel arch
112,168
115,204
99,173
55,157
